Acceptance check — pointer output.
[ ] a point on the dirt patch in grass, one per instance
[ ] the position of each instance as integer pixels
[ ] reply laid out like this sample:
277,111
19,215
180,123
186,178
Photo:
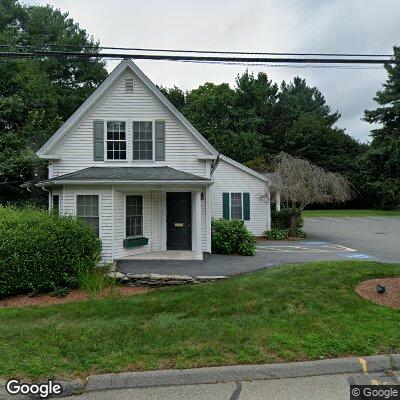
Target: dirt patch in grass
390,298
74,295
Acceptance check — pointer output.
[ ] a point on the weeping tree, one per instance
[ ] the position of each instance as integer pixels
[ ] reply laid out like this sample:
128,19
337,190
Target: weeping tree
301,183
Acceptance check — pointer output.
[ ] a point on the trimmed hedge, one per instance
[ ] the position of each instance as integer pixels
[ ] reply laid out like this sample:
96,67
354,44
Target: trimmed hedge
284,218
41,251
277,234
283,234
232,237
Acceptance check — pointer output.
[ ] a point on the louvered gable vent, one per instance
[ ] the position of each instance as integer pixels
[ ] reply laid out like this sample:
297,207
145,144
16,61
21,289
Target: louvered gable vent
129,85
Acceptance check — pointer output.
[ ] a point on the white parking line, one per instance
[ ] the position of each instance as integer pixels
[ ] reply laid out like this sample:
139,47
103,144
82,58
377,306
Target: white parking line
305,249
387,219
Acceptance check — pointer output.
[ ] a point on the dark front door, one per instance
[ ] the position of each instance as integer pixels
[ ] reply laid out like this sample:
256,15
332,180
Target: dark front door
179,221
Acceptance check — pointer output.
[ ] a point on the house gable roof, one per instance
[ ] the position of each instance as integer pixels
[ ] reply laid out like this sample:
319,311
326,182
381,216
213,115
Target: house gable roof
250,171
91,100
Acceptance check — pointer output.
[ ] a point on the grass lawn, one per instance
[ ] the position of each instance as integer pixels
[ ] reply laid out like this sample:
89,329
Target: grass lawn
350,213
293,312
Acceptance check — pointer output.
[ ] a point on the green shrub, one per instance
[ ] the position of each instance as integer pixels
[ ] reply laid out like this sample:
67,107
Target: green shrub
301,234
284,218
232,237
40,251
276,234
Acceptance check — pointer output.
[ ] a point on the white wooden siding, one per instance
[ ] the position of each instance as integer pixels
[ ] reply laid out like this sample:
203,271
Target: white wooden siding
228,178
181,147
112,233
105,212
150,224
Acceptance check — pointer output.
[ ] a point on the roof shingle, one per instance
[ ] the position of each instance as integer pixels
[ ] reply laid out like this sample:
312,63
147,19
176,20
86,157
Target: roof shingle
124,174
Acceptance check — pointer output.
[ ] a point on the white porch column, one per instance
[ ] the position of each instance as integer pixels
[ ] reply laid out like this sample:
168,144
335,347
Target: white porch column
278,201
163,220
197,225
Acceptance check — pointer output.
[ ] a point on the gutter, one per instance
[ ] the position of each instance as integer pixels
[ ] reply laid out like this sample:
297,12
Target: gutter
107,182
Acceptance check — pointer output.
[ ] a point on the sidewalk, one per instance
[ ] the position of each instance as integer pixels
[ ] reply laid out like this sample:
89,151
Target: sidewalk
243,381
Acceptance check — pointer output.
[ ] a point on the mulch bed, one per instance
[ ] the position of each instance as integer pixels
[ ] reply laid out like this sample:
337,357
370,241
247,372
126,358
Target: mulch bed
390,298
74,295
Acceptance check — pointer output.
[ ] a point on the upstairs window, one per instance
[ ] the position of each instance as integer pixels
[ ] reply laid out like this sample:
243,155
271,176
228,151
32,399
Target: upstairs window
142,140
116,140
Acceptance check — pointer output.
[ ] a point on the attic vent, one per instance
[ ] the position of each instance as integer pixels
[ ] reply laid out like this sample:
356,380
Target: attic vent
129,85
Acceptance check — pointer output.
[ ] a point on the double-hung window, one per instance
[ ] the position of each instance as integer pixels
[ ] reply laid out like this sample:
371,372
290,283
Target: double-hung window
116,140
236,206
142,147
134,216
88,209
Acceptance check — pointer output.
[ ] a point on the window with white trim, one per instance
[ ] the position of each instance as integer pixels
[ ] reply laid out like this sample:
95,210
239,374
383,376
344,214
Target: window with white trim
87,208
142,146
236,206
116,140
134,216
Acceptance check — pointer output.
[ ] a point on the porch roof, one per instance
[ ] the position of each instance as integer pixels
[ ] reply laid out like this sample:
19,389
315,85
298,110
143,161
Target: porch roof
126,175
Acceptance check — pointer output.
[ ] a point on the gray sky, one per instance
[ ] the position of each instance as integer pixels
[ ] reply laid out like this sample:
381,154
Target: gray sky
369,26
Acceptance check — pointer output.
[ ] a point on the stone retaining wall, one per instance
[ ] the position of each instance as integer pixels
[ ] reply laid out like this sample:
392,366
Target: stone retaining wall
162,280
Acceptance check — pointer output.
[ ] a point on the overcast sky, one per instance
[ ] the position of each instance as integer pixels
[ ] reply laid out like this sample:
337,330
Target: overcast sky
359,26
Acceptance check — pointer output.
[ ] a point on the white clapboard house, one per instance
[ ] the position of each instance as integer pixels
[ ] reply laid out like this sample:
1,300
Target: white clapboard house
143,177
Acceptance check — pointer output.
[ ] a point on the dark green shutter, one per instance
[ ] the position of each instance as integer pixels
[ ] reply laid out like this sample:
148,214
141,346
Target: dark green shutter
225,205
98,140
160,140
246,206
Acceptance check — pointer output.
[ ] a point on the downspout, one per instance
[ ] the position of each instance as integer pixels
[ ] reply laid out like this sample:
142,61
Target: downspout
214,165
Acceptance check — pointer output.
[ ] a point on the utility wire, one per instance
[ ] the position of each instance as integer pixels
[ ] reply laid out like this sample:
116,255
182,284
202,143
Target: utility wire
168,57
200,51
324,66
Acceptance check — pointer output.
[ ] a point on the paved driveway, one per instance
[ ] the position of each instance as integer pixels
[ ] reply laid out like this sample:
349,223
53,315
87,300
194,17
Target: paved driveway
330,239
374,237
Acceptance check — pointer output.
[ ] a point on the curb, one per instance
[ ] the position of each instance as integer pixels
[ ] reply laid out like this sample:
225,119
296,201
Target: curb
222,374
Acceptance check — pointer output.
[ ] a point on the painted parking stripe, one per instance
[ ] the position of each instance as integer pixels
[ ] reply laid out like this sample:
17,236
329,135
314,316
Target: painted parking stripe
328,248
387,219
358,256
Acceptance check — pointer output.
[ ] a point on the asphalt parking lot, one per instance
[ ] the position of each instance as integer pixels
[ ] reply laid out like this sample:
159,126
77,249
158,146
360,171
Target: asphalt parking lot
366,238
374,238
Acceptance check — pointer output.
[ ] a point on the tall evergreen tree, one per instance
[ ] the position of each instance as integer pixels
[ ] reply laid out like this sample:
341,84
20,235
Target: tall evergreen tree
38,95
382,160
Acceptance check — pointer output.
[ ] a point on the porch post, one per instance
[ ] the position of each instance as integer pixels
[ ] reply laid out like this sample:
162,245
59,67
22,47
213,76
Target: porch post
197,225
163,220
278,201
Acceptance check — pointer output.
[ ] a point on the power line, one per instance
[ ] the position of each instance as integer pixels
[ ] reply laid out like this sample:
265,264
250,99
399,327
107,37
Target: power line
169,57
201,51
324,66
